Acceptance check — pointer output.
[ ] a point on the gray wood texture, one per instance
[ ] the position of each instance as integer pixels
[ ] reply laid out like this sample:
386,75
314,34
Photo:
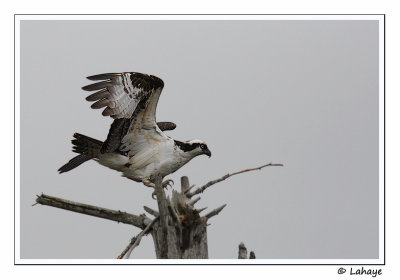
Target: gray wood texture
181,233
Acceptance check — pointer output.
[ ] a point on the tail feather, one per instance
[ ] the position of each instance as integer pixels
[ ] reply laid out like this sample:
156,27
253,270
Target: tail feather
87,147
74,162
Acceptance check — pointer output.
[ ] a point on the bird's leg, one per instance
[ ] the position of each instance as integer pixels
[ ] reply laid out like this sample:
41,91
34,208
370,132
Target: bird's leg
165,184
146,181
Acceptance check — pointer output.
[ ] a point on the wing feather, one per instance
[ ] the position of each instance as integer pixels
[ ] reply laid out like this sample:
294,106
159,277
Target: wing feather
98,95
121,93
143,130
97,86
100,104
131,99
104,76
117,131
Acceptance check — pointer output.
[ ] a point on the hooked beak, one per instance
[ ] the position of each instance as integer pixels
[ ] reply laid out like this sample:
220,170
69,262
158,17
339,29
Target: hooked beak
207,152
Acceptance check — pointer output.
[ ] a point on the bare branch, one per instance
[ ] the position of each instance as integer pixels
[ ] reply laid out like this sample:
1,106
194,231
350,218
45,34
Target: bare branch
201,210
184,184
151,211
194,201
201,189
114,215
189,189
135,241
214,212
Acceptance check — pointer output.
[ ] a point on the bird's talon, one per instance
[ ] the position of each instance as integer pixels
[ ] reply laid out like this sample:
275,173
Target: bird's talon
167,183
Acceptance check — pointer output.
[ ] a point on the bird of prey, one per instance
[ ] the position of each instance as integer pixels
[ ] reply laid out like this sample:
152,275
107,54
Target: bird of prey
136,144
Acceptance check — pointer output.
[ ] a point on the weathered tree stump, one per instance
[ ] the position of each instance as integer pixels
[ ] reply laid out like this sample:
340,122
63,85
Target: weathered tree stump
181,233
243,252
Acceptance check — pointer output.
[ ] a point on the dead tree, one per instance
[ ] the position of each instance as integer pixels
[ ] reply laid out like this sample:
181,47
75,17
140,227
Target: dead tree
178,229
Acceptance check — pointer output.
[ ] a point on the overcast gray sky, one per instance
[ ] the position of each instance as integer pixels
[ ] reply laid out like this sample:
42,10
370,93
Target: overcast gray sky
301,93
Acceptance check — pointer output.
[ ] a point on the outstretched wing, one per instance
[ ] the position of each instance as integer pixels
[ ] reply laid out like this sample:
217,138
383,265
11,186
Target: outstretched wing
121,93
131,99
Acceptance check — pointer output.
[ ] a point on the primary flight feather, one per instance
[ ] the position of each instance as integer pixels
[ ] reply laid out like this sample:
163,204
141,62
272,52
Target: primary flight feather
136,144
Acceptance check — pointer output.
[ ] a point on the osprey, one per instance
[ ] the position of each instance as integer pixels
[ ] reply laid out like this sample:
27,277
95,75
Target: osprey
136,144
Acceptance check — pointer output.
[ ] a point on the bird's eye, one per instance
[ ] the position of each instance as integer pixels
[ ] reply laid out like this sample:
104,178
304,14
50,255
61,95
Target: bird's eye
202,146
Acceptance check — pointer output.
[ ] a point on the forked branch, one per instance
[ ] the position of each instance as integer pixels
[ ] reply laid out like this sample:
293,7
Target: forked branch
209,184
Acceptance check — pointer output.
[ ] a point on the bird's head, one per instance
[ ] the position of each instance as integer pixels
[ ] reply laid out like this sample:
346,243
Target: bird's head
194,148
200,147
